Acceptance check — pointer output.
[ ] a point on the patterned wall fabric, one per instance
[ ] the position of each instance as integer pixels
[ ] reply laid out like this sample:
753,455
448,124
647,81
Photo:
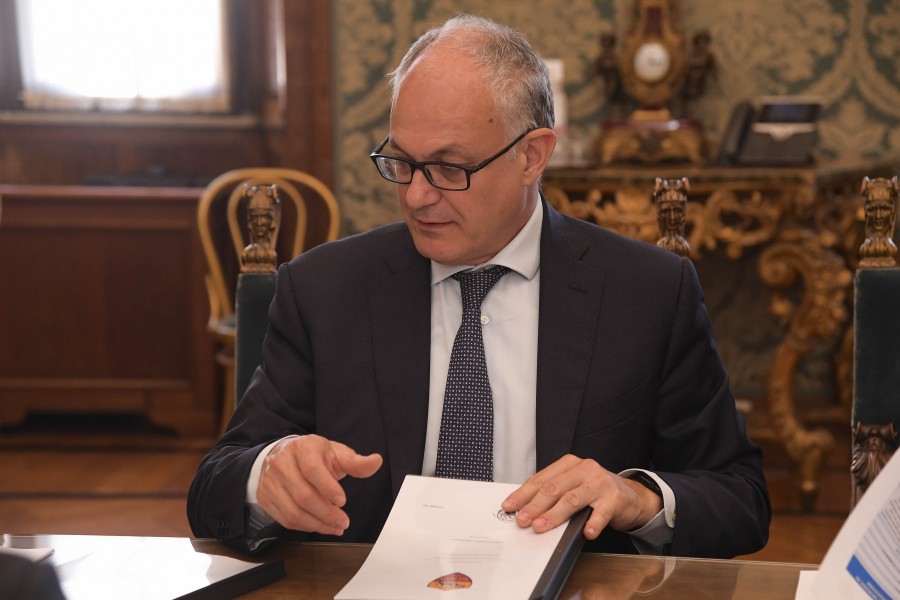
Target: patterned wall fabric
845,51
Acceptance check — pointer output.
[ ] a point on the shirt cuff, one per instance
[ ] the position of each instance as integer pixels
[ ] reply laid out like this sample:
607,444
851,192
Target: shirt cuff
257,518
668,496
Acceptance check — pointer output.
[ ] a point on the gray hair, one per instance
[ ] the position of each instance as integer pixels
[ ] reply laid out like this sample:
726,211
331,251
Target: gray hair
517,77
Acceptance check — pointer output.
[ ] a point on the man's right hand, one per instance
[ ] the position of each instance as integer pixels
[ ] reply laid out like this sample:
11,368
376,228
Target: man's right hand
299,488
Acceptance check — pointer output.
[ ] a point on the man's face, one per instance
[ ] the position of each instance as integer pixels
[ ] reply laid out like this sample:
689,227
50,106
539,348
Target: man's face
443,112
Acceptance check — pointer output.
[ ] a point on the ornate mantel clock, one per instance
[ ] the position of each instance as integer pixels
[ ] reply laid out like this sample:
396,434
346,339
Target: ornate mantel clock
651,68
652,64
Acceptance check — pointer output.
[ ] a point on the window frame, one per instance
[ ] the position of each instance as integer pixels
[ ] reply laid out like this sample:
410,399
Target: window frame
283,113
251,46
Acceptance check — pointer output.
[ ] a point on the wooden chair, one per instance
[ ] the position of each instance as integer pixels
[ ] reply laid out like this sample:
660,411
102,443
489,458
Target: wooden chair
876,334
308,215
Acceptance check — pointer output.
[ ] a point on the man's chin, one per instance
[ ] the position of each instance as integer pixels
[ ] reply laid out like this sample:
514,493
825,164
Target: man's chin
436,250
431,254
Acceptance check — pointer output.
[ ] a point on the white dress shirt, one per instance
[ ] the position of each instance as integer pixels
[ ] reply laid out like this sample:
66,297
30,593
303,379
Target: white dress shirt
511,311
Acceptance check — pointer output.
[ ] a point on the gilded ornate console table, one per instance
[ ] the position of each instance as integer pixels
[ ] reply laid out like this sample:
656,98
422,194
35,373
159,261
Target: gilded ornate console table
807,223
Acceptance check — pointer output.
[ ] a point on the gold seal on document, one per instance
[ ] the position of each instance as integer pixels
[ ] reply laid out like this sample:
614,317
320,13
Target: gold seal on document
454,581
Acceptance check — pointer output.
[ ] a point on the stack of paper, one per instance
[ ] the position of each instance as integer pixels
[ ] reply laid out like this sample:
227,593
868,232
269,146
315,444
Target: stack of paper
445,534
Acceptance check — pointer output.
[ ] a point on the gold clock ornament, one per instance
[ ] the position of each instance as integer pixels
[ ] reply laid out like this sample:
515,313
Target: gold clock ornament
652,64
650,68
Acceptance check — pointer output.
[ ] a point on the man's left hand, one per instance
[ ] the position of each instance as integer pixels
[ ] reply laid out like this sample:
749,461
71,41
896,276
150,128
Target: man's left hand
549,497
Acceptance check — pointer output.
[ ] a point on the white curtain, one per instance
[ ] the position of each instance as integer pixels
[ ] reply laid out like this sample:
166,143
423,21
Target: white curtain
118,55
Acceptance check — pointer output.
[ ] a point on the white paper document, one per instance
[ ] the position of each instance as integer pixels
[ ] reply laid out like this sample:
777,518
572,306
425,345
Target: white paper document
863,561
444,536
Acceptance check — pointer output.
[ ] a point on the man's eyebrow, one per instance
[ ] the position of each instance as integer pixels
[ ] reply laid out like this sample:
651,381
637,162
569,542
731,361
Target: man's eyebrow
435,156
396,147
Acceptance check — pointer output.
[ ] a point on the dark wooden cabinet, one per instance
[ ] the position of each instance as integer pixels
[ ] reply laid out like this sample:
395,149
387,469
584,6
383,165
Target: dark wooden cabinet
103,305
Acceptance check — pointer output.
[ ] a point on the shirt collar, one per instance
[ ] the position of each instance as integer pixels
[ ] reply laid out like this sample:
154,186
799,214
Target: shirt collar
522,254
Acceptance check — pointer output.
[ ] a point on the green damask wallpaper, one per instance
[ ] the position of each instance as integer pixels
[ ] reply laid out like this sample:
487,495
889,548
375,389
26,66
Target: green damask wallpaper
845,51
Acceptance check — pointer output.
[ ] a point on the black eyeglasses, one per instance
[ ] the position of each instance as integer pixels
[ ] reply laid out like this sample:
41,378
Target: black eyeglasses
442,175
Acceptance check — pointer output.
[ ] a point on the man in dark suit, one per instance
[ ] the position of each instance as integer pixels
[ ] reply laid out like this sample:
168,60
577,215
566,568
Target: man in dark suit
606,386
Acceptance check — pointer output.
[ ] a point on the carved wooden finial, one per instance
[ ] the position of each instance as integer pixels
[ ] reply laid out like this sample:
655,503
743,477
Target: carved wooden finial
670,197
263,215
880,204
873,446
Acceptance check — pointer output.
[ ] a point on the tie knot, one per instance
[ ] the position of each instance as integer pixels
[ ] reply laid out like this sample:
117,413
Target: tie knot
474,285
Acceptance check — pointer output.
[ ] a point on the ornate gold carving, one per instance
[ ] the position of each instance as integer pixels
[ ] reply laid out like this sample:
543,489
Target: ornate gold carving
843,371
670,196
880,206
650,144
873,446
820,314
263,215
838,217
737,220
628,211
838,214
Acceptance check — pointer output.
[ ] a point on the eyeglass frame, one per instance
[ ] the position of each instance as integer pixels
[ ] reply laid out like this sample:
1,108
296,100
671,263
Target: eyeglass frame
469,171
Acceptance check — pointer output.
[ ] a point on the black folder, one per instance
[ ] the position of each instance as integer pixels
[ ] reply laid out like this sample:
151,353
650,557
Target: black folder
563,560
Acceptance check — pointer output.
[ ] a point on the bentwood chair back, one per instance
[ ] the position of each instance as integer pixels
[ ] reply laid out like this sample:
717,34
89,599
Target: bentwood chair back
309,216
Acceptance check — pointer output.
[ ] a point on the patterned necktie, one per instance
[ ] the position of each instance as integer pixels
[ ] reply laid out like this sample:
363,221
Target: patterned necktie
466,442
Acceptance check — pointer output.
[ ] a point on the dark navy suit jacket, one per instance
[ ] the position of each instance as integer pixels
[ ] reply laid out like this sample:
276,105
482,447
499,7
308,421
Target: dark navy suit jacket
628,375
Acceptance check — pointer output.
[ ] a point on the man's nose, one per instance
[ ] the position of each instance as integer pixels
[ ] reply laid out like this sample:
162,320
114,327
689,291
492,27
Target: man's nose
420,192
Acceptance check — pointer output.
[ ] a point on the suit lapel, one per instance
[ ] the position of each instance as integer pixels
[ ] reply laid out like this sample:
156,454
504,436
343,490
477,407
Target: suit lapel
570,298
400,304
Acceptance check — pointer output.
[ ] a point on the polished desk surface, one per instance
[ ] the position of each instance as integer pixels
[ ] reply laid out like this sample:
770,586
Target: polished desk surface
318,571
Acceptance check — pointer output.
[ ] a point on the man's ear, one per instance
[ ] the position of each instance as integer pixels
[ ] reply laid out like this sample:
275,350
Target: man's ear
539,145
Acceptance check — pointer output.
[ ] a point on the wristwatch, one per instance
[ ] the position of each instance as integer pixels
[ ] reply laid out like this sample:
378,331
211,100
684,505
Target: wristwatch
647,481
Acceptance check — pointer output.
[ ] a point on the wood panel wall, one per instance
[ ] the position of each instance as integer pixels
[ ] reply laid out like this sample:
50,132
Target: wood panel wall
103,306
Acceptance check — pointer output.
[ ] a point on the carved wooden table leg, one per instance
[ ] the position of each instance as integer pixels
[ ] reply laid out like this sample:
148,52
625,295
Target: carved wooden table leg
820,314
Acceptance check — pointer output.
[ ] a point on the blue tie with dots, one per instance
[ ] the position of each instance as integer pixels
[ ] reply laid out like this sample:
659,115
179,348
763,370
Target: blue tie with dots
466,441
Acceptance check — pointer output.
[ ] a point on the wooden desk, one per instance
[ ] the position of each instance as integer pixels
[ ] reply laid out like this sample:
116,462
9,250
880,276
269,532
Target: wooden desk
807,224
319,571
